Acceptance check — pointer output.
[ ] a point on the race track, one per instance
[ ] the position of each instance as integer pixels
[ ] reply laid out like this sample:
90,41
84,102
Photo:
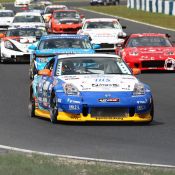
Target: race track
154,143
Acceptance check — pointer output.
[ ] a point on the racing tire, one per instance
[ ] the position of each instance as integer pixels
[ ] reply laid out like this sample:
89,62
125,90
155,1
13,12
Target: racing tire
33,72
151,113
31,107
53,109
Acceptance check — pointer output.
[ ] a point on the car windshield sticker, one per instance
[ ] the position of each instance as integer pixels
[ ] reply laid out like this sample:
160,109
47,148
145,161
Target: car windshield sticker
123,67
59,68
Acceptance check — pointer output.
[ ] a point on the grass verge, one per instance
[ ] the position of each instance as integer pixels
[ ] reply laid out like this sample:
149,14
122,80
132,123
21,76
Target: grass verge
12,163
138,15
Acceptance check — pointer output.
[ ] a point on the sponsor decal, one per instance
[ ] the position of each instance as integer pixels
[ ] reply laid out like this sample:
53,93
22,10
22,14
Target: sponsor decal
102,80
74,107
72,101
109,118
74,117
141,102
105,85
59,100
109,100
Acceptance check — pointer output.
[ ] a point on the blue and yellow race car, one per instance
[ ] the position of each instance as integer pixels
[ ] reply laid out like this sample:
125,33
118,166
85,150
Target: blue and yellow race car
90,87
52,45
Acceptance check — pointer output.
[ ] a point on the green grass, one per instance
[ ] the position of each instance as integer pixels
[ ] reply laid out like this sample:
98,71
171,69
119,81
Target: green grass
28,164
151,18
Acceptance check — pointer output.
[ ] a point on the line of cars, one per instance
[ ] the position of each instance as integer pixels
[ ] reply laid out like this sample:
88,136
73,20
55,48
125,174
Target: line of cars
71,82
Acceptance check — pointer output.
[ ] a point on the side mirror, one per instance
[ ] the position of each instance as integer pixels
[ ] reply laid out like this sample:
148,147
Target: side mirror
136,71
45,72
32,47
2,35
96,46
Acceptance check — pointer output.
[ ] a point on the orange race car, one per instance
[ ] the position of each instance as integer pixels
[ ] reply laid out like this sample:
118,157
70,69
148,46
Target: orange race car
65,21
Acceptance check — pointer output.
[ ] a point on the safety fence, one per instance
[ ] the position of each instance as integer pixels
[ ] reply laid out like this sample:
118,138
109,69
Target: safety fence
156,6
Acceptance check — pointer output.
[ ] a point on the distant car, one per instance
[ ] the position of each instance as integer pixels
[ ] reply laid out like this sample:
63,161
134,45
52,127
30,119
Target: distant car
6,18
45,2
52,45
148,51
103,31
65,21
14,45
32,19
104,2
90,87
22,3
36,7
49,10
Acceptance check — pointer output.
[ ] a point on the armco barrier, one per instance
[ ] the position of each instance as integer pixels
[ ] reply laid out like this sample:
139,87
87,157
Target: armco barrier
155,6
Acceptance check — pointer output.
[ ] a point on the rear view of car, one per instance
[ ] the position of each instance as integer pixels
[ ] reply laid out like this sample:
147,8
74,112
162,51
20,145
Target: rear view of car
6,18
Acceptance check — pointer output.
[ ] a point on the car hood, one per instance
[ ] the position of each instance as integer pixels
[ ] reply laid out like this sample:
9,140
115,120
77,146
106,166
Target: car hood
6,20
101,82
63,51
31,24
103,35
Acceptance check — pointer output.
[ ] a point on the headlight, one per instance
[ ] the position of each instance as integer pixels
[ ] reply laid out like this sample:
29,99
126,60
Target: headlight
70,89
139,89
8,45
170,53
133,53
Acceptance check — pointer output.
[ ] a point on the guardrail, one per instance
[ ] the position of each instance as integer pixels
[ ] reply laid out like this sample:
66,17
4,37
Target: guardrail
155,6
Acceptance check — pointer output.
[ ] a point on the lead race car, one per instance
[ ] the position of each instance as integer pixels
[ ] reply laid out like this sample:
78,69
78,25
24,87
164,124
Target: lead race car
90,87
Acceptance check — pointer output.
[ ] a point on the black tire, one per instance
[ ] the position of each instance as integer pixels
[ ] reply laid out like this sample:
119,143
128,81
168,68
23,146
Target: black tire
53,109
33,72
151,113
31,107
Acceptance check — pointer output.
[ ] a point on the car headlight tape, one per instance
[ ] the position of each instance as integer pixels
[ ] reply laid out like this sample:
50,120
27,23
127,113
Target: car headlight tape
70,89
138,89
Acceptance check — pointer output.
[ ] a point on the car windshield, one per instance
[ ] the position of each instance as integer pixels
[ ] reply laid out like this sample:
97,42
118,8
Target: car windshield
149,41
27,18
51,9
102,25
6,14
26,32
91,65
62,43
36,7
66,14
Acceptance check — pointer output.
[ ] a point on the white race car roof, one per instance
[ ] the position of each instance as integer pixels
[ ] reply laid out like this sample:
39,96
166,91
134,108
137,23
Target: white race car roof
88,55
6,10
57,6
101,19
28,13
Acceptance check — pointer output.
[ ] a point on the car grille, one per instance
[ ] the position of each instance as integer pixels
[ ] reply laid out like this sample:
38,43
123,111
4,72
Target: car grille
153,63
70,30
23,58
69,22
106,45
109,112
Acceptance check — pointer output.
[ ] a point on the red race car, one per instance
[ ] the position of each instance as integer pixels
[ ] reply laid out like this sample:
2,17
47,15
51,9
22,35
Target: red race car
65,21
148,51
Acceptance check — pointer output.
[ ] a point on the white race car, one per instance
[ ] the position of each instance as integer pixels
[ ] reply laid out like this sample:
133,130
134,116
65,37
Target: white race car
103,31
49,10
22,3
32,19
6,17
14,45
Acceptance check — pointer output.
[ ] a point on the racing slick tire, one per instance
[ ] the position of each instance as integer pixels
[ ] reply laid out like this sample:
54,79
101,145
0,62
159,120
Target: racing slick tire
31,106
33,72
151,113
53,109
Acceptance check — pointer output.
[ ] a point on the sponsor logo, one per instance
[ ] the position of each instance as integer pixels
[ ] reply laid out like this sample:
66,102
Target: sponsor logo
105,85
109,100
74,107
72,101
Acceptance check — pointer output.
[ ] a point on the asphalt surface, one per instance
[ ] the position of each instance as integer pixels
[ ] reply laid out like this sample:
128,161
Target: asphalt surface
153,143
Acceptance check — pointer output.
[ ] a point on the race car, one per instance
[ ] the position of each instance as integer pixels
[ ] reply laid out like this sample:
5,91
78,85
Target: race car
32,19
22,3
90,87
14,44
36,7
104,2
49,10
103,31
52,45
6,17
65,21
148,51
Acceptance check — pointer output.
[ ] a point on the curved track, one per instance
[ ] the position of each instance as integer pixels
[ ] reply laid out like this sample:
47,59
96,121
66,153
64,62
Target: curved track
126,142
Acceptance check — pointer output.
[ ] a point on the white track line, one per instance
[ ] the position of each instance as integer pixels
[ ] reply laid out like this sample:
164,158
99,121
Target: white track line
164,28
85,158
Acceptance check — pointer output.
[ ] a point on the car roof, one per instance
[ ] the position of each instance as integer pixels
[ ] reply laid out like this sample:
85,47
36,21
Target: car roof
53,36
6,11
28,13
65,10
96,55
53,6
135,35
100,19
27,27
